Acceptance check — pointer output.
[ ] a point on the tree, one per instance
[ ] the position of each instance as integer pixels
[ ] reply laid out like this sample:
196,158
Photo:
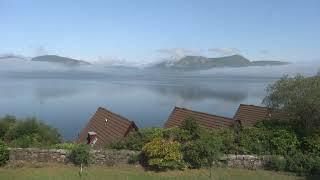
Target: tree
298,101
5,123
191,126
80,155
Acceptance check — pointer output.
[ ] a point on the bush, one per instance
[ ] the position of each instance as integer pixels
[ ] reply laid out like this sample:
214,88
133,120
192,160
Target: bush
4,153
25,141
303,163
136,139
311,145
283,141
31,132
253,140
134,158
80,155
161,154
191,126
177,134
277,163
228,139
204,151
194,154
5,123
66,146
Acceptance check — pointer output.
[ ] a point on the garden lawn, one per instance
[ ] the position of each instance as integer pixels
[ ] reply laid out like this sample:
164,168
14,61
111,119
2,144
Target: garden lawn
64,172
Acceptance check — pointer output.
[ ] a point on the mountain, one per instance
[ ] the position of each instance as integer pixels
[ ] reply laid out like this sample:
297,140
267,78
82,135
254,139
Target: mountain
10,56
202,63
59,59
268,63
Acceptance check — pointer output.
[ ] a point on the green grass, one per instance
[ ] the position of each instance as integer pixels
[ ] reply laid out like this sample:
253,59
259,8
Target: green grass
63,172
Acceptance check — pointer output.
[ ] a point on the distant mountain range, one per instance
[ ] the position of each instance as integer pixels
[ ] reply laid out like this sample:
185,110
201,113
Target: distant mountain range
202,63
185,63
59,59
11,57
48,58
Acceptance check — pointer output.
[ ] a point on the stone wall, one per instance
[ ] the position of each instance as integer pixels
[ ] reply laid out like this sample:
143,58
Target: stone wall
116,157
245,161
101,157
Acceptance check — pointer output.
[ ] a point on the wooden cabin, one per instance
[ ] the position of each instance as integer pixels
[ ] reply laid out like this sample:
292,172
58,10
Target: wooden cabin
205,120
105,127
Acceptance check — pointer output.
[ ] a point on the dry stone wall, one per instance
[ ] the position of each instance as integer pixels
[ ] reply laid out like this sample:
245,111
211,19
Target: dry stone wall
117,157
245,161
101,157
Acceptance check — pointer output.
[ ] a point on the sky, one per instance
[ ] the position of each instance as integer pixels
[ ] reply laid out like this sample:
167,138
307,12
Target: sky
145,30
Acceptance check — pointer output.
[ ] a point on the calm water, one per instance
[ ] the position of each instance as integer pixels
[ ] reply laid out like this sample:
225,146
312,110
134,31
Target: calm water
66,99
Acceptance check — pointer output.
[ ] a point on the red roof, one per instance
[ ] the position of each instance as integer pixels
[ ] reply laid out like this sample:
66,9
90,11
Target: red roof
208,121
250,114
108,126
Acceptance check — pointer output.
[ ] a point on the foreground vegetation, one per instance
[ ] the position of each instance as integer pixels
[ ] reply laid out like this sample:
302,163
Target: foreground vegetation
61,172
291,137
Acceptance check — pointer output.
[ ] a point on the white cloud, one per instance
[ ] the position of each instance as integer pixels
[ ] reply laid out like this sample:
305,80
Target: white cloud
40,51
178,53
225,51
108,60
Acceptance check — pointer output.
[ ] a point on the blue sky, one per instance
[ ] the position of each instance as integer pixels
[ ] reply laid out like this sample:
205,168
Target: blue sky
142,30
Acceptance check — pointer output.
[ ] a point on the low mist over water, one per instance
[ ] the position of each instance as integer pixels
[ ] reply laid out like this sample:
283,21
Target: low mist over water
66,97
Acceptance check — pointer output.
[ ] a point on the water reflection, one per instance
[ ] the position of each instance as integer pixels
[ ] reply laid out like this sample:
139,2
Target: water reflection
197,93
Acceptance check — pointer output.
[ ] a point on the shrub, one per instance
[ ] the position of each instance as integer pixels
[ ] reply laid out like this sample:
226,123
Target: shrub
80,155
228,139
303,163
5,123
4,153
162,154
283,141
204,151
253,140
31,132
136,139
66,146
25,141
277,163
134,158
177,134
311,145
194,154
191,126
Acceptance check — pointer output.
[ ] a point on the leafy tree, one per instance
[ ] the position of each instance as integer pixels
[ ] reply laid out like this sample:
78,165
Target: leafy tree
298,101
203,151
80,155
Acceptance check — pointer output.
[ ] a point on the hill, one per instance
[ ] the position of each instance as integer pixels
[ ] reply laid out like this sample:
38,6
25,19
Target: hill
268,63
59,59
201,63
12,57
